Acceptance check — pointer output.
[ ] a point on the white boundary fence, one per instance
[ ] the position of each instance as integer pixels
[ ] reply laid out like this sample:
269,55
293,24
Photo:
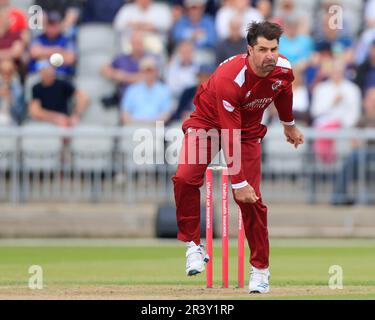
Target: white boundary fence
98,164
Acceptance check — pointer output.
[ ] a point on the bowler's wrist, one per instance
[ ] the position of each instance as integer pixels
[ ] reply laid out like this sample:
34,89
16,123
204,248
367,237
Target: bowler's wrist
288,125
239,185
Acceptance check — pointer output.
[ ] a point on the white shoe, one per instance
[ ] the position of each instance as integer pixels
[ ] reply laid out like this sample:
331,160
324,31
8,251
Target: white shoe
259,280
196,258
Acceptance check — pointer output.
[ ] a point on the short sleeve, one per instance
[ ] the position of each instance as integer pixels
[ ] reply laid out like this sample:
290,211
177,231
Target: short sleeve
116,62
127,99
36,92
69,88
284,103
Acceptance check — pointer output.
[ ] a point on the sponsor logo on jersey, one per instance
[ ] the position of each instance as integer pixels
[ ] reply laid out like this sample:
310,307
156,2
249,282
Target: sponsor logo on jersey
258,104
227,106
248,94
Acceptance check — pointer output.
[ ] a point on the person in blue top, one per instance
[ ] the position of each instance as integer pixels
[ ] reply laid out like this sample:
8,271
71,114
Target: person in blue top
296,47
339,38
195,26
149,100
53,41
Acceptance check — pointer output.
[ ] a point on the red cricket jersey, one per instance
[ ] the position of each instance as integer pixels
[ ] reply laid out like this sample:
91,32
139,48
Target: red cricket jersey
18,20
235,98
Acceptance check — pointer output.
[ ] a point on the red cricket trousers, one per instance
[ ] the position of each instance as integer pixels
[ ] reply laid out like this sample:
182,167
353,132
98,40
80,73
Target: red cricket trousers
190,177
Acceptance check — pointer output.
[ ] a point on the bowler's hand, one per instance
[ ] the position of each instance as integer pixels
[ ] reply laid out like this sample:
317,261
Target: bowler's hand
246,194
294,135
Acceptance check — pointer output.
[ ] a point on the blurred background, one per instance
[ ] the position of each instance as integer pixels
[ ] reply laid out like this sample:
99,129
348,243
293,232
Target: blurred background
67,166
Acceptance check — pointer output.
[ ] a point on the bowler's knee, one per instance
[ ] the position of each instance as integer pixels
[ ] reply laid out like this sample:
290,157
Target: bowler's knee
185,178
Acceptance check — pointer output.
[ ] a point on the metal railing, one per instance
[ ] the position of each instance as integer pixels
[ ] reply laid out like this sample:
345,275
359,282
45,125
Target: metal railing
44,163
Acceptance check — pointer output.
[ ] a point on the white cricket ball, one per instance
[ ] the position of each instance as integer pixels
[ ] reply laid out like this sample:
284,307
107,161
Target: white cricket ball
56,60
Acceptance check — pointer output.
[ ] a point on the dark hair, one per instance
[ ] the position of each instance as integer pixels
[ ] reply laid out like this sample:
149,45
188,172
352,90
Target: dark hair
265,29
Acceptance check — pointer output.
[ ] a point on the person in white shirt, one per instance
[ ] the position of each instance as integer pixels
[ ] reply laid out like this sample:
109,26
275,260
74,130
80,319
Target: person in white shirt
336,103
144,15
233,8
183,69
336,100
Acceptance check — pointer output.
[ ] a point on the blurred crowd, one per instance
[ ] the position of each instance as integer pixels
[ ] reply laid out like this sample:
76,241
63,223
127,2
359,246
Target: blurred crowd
173,46
169,47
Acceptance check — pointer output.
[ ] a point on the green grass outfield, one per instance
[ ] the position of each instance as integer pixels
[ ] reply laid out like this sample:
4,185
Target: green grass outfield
155,270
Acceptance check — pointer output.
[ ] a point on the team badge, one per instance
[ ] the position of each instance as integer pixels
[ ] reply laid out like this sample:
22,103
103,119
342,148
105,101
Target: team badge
276,85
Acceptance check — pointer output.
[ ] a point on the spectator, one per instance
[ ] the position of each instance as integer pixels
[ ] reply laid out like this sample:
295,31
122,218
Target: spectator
367,37
370,12
285,9
53,41
12,106
195,26
185,105
233,45
365,77
336,104
289,8
177,10
12,45
318,67
366,153
17,18
294,45
69,10
101,11
212,7
265,8
182,70
340,42
336,100
124,69
149,100
52,99
236,9
351,14
154,19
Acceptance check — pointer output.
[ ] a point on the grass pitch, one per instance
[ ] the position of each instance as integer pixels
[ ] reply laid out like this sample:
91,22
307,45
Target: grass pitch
155,270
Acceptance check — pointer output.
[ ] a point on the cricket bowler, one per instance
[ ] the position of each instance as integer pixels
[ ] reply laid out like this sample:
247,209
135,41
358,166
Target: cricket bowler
233,101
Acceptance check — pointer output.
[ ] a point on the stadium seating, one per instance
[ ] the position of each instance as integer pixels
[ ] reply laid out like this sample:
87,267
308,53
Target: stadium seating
282,158
96,46
41,147
92,155
141,147
8,148
93,38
